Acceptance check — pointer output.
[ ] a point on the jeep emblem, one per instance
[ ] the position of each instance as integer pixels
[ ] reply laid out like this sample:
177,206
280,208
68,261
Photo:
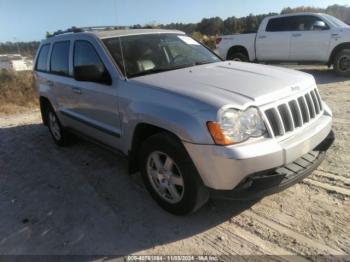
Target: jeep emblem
295,88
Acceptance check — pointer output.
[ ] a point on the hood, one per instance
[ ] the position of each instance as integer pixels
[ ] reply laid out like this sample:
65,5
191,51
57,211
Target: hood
231,82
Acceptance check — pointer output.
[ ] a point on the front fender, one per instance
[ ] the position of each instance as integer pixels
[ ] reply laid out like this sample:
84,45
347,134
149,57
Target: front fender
186,125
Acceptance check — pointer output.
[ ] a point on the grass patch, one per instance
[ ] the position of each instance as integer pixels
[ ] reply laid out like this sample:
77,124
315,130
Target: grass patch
17,92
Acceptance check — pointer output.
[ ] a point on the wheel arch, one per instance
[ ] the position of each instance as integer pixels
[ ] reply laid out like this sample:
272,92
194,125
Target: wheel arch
141,133
336,50
44,103
237,49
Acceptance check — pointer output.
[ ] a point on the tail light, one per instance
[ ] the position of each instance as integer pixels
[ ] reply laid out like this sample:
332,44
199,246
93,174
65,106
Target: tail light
218,40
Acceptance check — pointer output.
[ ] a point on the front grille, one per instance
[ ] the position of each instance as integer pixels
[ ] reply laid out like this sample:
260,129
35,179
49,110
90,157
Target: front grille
295,113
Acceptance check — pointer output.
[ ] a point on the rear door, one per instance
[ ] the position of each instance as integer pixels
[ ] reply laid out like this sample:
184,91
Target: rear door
273,43
60,79
309,42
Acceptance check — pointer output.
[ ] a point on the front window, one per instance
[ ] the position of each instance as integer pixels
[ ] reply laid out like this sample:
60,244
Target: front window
152,53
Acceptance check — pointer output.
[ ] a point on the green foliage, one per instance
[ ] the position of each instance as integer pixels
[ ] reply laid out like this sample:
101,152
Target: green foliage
197,35
232,25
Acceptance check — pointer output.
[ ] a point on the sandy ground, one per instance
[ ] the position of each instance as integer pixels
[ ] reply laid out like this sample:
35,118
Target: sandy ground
80,200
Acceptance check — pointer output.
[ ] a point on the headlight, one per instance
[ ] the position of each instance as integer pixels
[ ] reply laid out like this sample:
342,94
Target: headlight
235,126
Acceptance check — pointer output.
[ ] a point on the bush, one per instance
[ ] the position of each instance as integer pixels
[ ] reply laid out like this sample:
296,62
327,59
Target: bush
17,91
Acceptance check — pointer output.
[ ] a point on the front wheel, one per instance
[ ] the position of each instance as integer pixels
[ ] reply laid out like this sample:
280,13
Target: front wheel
342,63
170,176
239,57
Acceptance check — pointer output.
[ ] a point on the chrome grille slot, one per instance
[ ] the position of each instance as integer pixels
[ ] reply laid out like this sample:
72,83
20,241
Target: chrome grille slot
318,99
310,106
304,109
290,115
314,99
286,118
296,114
274,121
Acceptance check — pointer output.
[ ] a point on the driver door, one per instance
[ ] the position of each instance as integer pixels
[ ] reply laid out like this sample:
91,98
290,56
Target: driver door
309,42
97,112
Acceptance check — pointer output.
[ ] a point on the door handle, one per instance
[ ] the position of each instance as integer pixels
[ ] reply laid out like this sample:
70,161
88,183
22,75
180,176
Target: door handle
49,83
76,90
262,37
296,35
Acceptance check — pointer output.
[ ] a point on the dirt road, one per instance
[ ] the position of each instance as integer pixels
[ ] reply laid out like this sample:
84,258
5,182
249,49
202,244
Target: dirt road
79,200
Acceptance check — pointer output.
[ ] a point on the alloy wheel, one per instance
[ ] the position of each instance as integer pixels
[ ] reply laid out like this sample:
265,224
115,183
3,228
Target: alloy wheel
165,177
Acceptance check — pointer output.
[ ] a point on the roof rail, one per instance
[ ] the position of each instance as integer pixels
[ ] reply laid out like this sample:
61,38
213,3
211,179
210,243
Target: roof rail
74,29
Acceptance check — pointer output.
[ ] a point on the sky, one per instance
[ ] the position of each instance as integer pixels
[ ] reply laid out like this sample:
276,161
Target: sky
27,20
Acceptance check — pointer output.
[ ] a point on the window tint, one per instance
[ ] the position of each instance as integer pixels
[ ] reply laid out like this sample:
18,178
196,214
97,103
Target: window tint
307,23
281,24
85,54
60,58
42,58
293,23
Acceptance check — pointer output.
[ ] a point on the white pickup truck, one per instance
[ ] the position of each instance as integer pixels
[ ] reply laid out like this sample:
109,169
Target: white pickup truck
301,38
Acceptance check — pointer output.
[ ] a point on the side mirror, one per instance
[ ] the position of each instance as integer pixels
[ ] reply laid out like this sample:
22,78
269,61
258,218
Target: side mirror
319,25
92,73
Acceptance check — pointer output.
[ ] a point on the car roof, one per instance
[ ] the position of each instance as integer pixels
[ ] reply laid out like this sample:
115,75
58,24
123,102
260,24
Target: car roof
126,32
106,33
296,14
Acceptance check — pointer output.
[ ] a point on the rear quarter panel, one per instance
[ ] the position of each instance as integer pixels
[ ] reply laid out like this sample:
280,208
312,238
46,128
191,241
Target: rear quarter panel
245,40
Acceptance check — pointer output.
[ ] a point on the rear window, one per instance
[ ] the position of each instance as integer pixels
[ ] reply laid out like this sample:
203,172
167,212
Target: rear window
60,58
281,24
42,58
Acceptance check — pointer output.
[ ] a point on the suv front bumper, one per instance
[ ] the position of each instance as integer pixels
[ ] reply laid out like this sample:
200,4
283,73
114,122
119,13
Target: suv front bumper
226,167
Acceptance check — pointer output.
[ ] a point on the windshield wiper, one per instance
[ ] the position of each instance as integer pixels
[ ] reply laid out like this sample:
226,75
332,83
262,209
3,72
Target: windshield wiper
159,70
202,63
164,69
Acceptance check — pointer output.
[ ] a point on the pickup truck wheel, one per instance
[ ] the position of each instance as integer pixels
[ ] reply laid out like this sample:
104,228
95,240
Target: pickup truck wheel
170,176
342,63
239,57
58,133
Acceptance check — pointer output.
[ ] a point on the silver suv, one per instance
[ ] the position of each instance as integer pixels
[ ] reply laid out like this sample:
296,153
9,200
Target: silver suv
192,124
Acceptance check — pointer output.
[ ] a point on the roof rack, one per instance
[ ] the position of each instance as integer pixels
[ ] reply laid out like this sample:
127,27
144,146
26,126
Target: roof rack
74,29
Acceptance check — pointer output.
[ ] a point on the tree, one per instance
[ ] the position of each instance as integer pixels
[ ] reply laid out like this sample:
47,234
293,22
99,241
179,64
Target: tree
210,26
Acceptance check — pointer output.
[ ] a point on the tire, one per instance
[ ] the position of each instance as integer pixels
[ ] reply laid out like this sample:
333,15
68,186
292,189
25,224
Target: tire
58,133
342,63
170,175
239,57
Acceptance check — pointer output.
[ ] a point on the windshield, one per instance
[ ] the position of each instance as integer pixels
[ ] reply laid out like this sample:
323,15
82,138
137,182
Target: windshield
152,53
335,21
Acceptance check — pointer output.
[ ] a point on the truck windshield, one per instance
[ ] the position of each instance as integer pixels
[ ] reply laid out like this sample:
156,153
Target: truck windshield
143,54
335,21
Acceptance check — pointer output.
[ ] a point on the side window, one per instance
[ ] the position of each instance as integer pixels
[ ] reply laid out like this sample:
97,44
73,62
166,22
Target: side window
281,24
310,23
59,63
85,54
42,58
86,58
